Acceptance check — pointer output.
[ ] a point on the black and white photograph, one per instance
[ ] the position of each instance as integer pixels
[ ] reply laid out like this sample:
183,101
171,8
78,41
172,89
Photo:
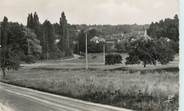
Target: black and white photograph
89,55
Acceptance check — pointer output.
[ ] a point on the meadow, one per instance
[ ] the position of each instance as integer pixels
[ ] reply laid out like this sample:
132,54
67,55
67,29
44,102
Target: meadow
133,87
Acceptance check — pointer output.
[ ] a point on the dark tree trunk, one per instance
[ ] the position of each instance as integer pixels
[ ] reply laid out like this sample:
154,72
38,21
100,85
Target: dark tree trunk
4,73
144,64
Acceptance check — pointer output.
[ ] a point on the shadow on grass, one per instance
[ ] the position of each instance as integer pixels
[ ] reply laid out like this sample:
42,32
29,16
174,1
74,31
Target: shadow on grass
130,70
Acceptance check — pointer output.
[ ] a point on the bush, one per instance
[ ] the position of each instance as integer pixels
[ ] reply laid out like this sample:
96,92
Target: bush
29,59
111,59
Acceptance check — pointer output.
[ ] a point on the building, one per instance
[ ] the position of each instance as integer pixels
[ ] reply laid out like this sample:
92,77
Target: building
97,39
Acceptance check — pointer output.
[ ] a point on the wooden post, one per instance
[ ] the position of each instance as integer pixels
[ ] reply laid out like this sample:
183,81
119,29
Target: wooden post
104,53
86,51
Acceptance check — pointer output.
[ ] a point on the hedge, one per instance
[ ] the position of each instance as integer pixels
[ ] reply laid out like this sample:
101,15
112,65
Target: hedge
111,59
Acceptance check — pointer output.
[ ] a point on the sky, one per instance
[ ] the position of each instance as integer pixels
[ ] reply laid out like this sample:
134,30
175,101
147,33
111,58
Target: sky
91,11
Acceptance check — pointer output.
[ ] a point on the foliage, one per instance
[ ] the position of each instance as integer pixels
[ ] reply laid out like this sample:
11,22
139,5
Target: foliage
17,42
95,47
32,45
33,21
141,50
29,59
149,52
46,33
92,47
111,59
121,46
168,28
107,30
50,49
81,41
65,42
165,53
24,40
8,56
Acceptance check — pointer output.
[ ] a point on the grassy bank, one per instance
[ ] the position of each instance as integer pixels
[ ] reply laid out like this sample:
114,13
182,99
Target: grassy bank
151,91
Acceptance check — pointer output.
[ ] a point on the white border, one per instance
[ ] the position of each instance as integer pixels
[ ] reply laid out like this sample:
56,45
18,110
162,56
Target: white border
181,56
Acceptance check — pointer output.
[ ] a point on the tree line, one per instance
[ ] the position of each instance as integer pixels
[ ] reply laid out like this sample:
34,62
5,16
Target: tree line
35,41
168,28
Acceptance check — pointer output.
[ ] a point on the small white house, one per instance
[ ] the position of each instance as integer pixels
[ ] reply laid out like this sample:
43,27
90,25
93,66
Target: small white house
97,39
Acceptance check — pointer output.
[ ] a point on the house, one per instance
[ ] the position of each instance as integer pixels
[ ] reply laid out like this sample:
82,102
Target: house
97,39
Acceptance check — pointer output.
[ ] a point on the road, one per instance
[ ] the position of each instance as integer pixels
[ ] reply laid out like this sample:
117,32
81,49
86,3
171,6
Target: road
50,62
24,99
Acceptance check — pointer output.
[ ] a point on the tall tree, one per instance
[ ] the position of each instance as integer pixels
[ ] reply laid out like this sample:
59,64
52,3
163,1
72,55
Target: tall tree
34,24
8,57
32,45
65,41
33,21
36,20
50,49
30,21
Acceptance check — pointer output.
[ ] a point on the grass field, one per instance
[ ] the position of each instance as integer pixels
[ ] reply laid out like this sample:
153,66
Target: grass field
118,85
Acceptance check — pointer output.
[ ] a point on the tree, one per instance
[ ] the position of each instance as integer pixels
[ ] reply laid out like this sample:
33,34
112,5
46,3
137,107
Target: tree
149,51
36,21
91,45
168,28
32,45
30,21
33,21
165,52
142,51
81,41
65,42
8,55
50,49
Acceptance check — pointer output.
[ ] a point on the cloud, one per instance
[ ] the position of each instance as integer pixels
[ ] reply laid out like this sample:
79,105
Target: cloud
91,11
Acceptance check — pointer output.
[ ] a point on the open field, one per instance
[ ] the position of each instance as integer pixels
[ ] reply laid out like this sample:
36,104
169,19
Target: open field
119,85
96,62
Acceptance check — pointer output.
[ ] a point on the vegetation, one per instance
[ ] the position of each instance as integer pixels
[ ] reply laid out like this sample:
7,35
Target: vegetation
107,30
92,46
64,44
112,59
37,41
48,33
18,43
153,91
124,86
8,52
168,28
49,47
150,51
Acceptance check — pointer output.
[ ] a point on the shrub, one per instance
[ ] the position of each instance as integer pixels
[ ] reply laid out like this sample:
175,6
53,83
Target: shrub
111,59
29,59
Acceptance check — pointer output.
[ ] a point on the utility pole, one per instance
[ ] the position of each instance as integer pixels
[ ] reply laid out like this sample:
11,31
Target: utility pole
86,51
104,52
